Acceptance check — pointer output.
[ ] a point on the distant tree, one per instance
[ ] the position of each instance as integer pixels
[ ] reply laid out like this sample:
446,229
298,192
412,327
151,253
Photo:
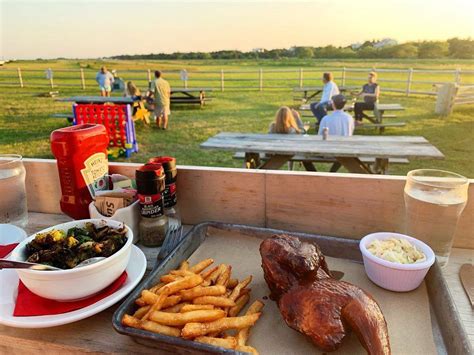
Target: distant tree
402,51
368,52
432,50
304,52
461,48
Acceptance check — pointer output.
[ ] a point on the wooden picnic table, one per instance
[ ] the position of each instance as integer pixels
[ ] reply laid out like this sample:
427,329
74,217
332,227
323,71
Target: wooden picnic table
189,95
243,197
310,92
348,151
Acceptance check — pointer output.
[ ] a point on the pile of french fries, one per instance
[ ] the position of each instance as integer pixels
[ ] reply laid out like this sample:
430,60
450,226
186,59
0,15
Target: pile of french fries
199,303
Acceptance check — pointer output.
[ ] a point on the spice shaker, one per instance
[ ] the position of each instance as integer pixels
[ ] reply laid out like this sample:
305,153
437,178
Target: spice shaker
170,195
153,225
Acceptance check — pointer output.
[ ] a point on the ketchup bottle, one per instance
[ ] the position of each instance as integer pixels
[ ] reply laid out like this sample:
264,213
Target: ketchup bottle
81,153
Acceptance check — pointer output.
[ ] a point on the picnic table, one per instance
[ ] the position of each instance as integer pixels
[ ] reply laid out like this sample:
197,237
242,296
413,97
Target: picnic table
310,92
189,95
242,197
348,151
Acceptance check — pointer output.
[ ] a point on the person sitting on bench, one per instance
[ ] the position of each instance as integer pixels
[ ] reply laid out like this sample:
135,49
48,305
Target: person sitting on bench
319,109
370,92
339,123
284,122
132,91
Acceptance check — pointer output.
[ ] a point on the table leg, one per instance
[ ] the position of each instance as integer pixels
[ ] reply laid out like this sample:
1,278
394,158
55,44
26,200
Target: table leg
201,98
275,162
309,166
354,165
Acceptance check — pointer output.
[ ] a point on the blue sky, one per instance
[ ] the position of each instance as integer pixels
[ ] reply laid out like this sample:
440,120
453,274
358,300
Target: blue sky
82,29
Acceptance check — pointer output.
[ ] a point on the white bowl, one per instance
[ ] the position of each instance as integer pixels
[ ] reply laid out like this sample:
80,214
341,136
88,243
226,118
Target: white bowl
395,276
74,284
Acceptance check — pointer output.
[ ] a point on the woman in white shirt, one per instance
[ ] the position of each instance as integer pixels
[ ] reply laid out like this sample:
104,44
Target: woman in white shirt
330,89
284,122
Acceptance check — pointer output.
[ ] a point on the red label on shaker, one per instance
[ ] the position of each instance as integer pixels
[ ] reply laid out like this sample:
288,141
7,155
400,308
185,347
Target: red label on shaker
151,206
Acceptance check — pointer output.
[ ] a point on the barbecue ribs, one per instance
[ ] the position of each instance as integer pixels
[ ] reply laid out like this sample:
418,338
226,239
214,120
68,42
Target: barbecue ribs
314,303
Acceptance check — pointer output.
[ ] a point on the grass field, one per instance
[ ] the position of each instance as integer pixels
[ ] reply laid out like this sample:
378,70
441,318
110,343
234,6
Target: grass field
25,122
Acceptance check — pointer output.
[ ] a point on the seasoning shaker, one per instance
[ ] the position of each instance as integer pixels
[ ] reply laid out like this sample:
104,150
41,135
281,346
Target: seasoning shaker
150,179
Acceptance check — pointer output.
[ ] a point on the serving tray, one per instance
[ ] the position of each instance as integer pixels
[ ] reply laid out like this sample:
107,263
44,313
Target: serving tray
421,321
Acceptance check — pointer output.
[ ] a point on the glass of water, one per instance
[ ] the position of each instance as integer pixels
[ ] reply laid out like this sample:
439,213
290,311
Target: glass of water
434,201
13,209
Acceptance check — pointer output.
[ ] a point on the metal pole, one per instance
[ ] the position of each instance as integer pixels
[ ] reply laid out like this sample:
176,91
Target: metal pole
20,78
409,79
301,77
222,79
83,80
343,81
260,79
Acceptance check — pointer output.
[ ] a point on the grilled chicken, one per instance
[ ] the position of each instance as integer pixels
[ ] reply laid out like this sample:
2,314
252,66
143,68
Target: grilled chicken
314,303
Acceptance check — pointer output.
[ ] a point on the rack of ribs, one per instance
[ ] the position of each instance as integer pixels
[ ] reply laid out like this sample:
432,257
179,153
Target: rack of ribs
314,303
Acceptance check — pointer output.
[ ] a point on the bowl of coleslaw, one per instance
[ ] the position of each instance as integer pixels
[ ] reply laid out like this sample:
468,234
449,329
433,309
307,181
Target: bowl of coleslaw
396,262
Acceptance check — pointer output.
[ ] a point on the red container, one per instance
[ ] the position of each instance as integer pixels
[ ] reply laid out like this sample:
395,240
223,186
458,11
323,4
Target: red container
81,153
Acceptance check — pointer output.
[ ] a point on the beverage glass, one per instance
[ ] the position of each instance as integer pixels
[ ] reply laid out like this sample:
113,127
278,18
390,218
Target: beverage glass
13,208
307,126
434,201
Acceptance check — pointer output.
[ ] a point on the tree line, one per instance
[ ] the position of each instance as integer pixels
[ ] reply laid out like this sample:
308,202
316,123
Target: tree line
451,48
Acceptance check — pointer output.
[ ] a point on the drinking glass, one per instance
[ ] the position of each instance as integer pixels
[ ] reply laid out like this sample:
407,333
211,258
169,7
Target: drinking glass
13,209
434,201
306,126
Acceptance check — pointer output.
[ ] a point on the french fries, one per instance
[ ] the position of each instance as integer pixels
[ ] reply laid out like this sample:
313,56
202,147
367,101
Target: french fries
194,330
180,319
214,300
200,303
229,342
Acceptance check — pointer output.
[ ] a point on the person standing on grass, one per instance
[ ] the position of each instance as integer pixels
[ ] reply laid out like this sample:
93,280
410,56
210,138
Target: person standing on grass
370,92
105,80
319,109
161,90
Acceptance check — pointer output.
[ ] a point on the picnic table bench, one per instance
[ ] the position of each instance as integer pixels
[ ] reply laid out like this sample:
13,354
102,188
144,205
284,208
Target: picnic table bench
348,151
189,96
377,119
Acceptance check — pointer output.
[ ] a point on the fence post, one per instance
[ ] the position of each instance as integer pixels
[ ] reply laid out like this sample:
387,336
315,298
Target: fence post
301,77
20,78
148,73
343,81
222,79
50,75
83,80
457,76
409,79
260,79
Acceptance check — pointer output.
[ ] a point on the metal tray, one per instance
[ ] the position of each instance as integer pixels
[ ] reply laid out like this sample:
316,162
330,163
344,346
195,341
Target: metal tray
449,334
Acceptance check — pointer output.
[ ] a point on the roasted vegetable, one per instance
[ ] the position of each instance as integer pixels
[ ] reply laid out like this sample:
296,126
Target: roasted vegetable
66,250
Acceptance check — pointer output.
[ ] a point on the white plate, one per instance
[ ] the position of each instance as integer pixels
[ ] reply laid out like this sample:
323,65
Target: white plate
11,234
9,290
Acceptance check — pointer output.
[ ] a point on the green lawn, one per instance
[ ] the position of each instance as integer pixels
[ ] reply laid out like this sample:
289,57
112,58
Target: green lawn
25,124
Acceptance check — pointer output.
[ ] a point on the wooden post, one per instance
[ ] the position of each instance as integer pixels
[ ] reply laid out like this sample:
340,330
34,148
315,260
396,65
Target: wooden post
301,77
343,80
222,79
20,78
457,76
50,74
445,99
186,83
83,80
260,79
148,72
409,79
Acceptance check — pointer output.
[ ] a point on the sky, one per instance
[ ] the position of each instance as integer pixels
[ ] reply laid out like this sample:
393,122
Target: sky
89,29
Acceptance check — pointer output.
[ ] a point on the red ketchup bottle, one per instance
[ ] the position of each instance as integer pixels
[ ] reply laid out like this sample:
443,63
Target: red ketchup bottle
81,153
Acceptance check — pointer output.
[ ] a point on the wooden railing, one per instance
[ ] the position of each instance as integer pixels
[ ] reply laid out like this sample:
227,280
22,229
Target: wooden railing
407,81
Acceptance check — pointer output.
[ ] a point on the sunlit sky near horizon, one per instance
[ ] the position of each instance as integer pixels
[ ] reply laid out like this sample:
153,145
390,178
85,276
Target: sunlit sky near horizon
86,29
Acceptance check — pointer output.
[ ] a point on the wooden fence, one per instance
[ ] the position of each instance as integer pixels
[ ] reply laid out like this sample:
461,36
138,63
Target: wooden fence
407,81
